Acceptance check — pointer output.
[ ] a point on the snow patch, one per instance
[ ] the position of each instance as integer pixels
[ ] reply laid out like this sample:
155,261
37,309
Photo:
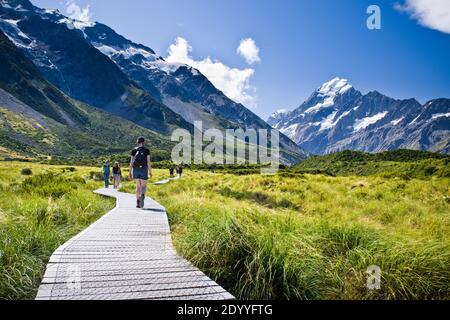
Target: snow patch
397,121
195,72
124,96
328,123
13,24
440,115
279,114
327,103
4,4
329,91
417,118
76,24
361,124
167,67
52,11
334,87
20,8
290,131
342,116
127,52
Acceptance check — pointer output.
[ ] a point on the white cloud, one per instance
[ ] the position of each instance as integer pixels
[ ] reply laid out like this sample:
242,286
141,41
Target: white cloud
235,83
433,14
74,11
249,51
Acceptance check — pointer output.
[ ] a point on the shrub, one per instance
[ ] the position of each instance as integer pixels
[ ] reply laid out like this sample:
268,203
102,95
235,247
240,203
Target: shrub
26,172
50,185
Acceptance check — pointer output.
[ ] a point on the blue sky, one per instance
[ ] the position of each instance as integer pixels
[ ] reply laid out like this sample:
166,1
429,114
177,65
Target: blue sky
302,43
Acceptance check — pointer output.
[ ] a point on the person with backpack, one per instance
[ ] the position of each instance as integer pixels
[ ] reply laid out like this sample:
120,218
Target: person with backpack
140,170
106,173
117,175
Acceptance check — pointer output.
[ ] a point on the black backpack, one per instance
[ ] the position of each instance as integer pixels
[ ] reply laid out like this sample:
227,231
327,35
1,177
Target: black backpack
140,158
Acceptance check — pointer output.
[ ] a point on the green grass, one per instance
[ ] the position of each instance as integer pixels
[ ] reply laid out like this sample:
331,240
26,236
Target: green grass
313,236
38,213
289,236
403,164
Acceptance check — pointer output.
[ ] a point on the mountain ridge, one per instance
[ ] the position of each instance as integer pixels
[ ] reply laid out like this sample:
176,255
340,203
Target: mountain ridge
331,120
39,121
58,48
168,95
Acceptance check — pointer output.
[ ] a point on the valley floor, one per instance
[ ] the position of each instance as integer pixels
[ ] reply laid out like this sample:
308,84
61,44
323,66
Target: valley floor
295,236
289,236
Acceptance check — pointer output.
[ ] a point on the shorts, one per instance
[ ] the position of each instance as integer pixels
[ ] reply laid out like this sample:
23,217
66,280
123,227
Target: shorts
116,175
140,173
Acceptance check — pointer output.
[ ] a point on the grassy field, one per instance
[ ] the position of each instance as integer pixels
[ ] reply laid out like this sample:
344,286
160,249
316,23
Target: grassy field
290,236
313,236
38,213
404,164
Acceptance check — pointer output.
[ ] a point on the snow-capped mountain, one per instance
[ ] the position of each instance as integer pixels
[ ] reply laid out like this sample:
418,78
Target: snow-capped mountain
338,117
58,47
92,63
184,89
37,120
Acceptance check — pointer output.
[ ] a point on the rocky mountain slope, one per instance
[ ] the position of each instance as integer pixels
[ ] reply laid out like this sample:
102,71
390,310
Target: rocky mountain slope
59,49
338,117
37,120
92,63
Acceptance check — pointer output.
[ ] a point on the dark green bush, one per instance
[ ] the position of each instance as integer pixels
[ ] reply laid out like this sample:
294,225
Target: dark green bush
50,185
26,172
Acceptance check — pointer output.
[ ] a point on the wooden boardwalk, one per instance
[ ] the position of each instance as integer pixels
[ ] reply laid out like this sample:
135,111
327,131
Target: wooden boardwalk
125,255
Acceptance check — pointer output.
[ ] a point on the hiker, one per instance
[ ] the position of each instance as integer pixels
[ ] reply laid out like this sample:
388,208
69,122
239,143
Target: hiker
106,173
117,175
140,170
171,172
180,170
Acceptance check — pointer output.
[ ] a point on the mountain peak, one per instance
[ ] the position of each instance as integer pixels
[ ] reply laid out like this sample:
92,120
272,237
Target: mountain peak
277,117
334,87
280,112
17,4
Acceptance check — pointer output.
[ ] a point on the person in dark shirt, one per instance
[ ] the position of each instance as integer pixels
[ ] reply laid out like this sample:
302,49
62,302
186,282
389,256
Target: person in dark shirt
117,175
106,173
140,170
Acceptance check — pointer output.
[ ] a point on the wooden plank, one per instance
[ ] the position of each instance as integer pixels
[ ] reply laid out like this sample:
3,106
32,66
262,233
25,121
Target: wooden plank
139,295
120,282
54,291
130,277
127,254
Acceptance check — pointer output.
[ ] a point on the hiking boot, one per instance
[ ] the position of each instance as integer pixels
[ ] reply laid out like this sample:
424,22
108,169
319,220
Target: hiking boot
142,202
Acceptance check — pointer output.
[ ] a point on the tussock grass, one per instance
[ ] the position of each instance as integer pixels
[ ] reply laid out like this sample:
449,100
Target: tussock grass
313,236
37,214
290,236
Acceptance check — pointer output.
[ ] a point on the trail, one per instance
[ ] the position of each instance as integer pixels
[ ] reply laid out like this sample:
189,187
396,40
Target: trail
126,255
